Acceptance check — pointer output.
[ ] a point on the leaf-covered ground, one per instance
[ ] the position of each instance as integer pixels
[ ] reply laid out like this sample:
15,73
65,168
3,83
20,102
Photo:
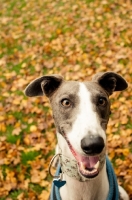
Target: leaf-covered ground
75,39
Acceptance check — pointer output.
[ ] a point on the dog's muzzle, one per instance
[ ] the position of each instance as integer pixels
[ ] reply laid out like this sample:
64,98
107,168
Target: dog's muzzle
87,166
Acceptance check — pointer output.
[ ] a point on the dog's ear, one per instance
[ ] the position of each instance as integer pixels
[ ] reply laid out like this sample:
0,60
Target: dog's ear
110,81
45,85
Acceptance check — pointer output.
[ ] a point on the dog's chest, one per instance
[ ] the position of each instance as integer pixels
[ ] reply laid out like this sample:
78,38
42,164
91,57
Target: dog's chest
90,190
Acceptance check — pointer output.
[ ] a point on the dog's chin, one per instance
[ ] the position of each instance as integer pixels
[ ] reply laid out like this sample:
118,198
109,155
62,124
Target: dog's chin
88,166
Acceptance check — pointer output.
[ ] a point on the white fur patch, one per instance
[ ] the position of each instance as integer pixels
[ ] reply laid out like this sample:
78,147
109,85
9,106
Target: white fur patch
87,121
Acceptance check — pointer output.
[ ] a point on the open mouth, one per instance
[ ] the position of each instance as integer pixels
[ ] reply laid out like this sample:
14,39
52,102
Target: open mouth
88,166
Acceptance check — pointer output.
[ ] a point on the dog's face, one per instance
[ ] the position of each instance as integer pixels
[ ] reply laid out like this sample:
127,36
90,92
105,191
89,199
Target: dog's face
81,113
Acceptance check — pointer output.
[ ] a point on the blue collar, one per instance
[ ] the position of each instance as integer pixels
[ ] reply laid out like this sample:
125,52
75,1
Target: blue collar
113,185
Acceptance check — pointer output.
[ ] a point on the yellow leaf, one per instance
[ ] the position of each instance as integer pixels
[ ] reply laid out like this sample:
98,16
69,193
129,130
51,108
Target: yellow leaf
2,118
18,124
33,128
20,196
125,152
24,65
44,195
44,183
27,141
2,127
43,174
16,131
35,178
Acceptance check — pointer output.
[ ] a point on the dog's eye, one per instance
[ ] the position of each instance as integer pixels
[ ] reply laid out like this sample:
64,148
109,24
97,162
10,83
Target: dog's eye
102,101
66,103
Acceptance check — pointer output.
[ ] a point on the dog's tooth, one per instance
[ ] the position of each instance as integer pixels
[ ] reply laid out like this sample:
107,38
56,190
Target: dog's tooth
96,166
82,166
87,171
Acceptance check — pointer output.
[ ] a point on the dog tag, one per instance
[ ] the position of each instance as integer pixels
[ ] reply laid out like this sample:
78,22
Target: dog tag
59,183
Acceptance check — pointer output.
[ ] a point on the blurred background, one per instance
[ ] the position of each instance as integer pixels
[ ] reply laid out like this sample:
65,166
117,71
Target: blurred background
75,39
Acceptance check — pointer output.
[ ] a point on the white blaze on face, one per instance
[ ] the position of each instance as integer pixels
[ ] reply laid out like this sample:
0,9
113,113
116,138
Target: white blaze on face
87,120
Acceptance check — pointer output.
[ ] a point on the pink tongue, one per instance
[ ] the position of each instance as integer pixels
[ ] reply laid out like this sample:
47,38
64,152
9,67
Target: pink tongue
88,162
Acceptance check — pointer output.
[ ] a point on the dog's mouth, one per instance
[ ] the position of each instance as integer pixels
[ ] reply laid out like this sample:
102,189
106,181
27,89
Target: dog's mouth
88,166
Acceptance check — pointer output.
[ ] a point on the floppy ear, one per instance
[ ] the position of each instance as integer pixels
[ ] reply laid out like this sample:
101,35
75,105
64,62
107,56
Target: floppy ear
110,81
44,85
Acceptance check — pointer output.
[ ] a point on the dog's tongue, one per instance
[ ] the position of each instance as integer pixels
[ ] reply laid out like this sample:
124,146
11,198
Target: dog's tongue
88,161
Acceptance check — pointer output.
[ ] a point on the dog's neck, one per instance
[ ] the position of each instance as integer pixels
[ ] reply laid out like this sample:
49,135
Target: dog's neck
75,189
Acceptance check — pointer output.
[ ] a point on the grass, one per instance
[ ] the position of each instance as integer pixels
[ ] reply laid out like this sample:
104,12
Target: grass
28,156
13,139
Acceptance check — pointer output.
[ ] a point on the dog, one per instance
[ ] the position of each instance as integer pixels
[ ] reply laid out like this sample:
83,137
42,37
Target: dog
81,113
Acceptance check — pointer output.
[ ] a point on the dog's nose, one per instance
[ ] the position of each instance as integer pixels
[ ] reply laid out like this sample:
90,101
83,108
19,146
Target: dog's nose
92,144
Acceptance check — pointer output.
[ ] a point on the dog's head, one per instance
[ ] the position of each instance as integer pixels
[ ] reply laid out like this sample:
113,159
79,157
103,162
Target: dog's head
81,112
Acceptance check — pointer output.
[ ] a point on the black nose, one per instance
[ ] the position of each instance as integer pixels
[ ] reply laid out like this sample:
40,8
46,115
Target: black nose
92,144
